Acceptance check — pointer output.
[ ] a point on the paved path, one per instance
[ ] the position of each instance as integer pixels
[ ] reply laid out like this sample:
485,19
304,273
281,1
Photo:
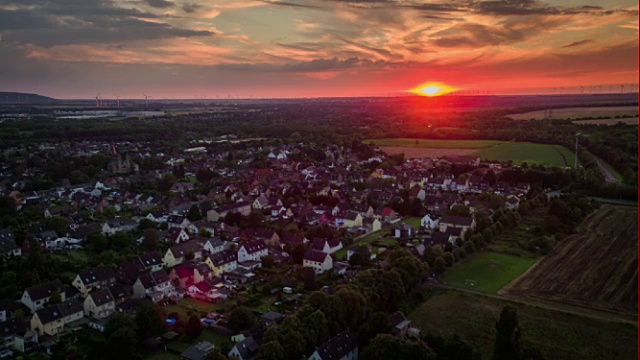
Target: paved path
609,176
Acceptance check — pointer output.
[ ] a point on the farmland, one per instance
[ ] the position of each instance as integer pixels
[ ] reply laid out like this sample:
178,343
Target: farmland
485,149
596,268
487,271
579,112
529,153
627,121
556,334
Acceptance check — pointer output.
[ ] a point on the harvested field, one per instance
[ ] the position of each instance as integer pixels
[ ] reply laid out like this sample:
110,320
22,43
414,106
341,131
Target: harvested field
418,152
578,112
558,335
627,121
596,268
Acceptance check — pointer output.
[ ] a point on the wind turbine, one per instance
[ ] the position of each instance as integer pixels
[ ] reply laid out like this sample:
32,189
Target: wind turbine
146,99
118,100
98,100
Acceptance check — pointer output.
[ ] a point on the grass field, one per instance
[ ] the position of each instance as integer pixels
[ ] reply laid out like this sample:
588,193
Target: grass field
435,143
596,268
558,335
529,153
490,271
579,112
516,241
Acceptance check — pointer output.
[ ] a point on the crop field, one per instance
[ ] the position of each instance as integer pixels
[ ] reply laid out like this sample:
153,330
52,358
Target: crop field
579,112
627,121
487,271
435,144
486,149
595,269
528,152
558,335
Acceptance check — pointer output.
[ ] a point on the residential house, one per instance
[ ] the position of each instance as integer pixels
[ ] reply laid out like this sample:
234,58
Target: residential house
178,221
400,324
36,297
340,347
214,246
179,253
242,207
252,251
222,262
349,219
176,235
403,231
99,304
186,274
15,335
154,285
462,222
246,349
151,261
319,261
99,277
271,318
430,221
327,246
199,351
122,224
8,247
49,321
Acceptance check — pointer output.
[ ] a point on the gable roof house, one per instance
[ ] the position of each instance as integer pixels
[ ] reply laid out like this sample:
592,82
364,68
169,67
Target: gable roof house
222,262
177,253
99,304
8,245
325,245
252,251
340,347
462,222
36,297
151,261
176,235
319,261
246,349
88,280
155,285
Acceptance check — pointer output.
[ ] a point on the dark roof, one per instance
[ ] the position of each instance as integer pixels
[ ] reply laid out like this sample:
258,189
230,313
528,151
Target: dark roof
255,246
101,297
186,247
129,271
72,306
396,318
49,314
45,290
198,351
315,256
12,327
338,346
248,348
150,259
215,242
457,220
6,234
437,238
223,257
99,274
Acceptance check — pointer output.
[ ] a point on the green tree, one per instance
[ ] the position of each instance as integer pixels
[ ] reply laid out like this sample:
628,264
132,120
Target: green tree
271,351
440,265
151,239
507,345
193,328
385,346
377,323
459,210
241,318
148,321
194,213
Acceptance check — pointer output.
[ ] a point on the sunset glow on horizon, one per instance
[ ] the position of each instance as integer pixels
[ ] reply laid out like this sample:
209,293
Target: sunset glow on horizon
314,48
432,89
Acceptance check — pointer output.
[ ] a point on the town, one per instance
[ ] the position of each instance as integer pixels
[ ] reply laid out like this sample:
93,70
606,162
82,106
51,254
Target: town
237,239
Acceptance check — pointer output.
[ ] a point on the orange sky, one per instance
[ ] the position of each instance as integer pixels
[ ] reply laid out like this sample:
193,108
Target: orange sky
307,48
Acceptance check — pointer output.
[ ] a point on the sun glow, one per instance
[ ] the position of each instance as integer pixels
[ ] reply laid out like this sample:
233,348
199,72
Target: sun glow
432,89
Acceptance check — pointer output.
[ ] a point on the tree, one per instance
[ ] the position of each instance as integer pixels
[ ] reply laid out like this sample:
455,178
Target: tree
439,265
241,318
297,253
151,239
507,345
146,224
309,278
55,298
122,343
194,213
193,328
271,351
385,346
148,321
459,210
377,323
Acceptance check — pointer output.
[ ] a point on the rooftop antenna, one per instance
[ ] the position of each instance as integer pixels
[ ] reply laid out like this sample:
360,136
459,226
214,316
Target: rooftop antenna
146,99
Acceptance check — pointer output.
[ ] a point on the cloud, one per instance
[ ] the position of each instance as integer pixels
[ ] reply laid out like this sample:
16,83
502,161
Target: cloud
160,4
291,4
578,43
191,8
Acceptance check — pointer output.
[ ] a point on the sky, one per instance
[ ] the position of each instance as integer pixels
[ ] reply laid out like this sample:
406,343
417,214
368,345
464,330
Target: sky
314,48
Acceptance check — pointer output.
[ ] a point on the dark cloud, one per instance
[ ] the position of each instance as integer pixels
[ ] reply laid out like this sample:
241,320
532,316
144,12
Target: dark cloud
191,8
291,4
316,65
578,43
378,51
535,7
52,23
160,4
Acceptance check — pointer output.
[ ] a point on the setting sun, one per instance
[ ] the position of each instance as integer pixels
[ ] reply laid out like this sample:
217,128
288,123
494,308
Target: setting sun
432,89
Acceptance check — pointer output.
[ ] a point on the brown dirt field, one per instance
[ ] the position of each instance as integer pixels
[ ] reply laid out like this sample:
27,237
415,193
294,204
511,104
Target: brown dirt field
596,268
414,152
628,121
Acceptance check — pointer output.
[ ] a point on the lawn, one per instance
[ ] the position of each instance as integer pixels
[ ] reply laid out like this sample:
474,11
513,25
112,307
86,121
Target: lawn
367,239
517,241
528,152
436,144
490,271
556,334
